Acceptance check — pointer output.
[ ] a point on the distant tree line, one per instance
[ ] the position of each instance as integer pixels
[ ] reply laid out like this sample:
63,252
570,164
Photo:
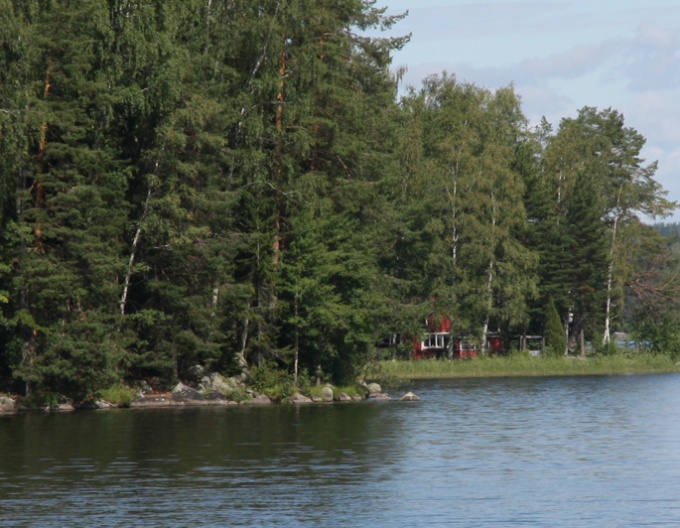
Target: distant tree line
224,183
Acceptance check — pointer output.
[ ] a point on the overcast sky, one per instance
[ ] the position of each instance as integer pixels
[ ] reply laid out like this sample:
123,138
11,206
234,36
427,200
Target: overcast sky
560,55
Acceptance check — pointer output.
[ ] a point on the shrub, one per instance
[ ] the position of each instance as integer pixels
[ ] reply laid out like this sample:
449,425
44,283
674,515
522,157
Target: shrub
272,382
120,395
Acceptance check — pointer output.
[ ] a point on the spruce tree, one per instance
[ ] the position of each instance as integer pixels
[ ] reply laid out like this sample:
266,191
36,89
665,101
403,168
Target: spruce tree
586,258
68,280
555,337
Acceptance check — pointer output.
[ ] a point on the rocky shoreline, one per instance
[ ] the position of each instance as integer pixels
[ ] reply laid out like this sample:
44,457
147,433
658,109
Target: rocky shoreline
213,390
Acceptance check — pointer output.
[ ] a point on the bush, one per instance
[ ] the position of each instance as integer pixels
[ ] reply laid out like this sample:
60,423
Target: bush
120,395
238,395
606,349
272,382
38,400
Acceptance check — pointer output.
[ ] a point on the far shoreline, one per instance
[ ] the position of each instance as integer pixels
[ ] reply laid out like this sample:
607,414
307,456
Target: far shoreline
520,365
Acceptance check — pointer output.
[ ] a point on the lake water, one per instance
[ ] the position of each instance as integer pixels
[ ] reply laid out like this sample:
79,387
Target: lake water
572,452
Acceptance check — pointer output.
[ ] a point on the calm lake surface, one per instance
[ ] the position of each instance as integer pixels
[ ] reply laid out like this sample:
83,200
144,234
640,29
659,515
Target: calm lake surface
573,452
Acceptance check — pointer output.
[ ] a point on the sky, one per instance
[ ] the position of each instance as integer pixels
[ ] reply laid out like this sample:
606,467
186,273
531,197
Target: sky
560,55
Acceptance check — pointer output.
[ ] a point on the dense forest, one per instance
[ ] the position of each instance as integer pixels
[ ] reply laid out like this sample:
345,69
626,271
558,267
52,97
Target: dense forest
223,182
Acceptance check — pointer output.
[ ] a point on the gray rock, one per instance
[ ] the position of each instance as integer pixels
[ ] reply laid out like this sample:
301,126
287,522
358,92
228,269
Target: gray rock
299,398
409,396
379,396
91,405
260,399
215,382
373,388
343,397
7,404
327,393
357,397
184,393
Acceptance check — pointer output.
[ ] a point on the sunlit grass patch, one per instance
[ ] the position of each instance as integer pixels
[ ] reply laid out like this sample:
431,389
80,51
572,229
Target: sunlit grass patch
120,395
525,365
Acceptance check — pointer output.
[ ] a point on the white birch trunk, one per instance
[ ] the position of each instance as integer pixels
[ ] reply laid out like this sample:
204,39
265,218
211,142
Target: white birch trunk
241,354
455,235
489,282
133,252
610,275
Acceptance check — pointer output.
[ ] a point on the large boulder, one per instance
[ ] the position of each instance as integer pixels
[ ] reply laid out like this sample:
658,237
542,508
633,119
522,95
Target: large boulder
215,382
7,405
299,398
184,393
372,388
327,394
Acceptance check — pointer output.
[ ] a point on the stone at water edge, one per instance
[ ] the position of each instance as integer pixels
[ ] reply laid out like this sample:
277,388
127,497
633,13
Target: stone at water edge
7,404
372,388
299,398
182,392
343,397
327,394
409,396
260,399
216,382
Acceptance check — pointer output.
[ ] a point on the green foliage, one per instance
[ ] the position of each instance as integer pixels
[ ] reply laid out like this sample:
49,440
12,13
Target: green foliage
606,349
40,400
275,383
659,327
120,395
555,337
231,183
375,371
349,390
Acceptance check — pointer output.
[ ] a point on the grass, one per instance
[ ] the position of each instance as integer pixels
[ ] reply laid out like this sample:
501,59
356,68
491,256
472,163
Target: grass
120,395
524,365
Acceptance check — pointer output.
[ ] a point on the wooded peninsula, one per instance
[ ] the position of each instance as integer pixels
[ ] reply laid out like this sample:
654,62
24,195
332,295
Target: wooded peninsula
234,184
